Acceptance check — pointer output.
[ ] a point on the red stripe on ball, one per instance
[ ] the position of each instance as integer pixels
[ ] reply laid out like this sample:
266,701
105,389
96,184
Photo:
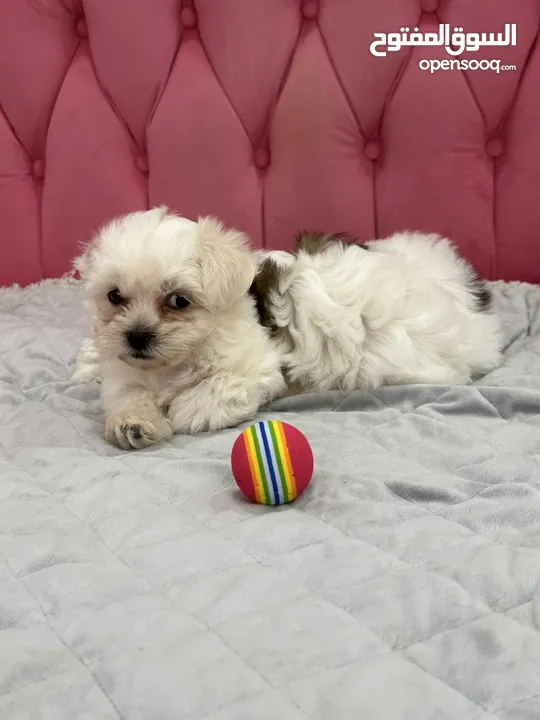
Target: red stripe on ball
301,456
241,469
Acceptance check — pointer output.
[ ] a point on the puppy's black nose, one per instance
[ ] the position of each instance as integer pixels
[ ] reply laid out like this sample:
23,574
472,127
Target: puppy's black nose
139,339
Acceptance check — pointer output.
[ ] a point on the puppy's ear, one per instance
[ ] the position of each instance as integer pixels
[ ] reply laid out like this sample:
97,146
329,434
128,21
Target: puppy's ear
228,266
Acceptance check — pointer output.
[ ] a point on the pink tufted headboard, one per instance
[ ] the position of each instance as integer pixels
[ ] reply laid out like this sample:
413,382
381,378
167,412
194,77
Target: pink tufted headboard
271,114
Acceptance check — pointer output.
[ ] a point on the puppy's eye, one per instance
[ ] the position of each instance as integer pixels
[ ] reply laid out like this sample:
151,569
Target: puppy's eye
115,297
178,302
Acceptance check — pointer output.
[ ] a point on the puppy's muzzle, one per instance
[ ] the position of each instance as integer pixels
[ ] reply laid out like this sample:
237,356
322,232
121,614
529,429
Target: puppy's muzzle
139,340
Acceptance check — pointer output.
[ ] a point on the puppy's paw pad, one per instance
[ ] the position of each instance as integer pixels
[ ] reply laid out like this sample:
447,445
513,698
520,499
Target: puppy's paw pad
138,436
136,432
131,433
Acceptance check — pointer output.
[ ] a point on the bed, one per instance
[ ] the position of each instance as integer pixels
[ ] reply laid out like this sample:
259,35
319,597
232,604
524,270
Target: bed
403,583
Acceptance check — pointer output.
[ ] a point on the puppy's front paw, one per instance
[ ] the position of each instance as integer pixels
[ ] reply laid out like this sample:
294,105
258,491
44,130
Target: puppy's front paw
131,432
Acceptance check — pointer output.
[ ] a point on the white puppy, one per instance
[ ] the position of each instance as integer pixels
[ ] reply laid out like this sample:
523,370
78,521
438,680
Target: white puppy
177,344
179,347
403,310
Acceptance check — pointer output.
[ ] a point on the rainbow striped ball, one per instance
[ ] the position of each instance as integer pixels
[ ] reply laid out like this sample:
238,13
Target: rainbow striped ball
272,462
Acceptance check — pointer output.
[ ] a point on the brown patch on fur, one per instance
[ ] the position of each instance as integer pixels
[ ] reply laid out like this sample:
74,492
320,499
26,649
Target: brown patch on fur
169,313
108,312
266,279
315,243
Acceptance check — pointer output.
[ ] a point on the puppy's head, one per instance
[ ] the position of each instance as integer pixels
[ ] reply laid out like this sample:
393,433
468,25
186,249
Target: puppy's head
157,284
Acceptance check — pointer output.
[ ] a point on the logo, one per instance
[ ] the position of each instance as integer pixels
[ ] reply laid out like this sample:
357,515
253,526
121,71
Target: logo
455,44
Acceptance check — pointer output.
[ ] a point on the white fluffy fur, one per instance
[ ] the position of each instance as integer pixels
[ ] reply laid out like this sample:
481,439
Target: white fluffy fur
212,365
343,318
401,312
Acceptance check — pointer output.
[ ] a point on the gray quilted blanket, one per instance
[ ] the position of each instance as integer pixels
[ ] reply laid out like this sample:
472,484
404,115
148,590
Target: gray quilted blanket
403,585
